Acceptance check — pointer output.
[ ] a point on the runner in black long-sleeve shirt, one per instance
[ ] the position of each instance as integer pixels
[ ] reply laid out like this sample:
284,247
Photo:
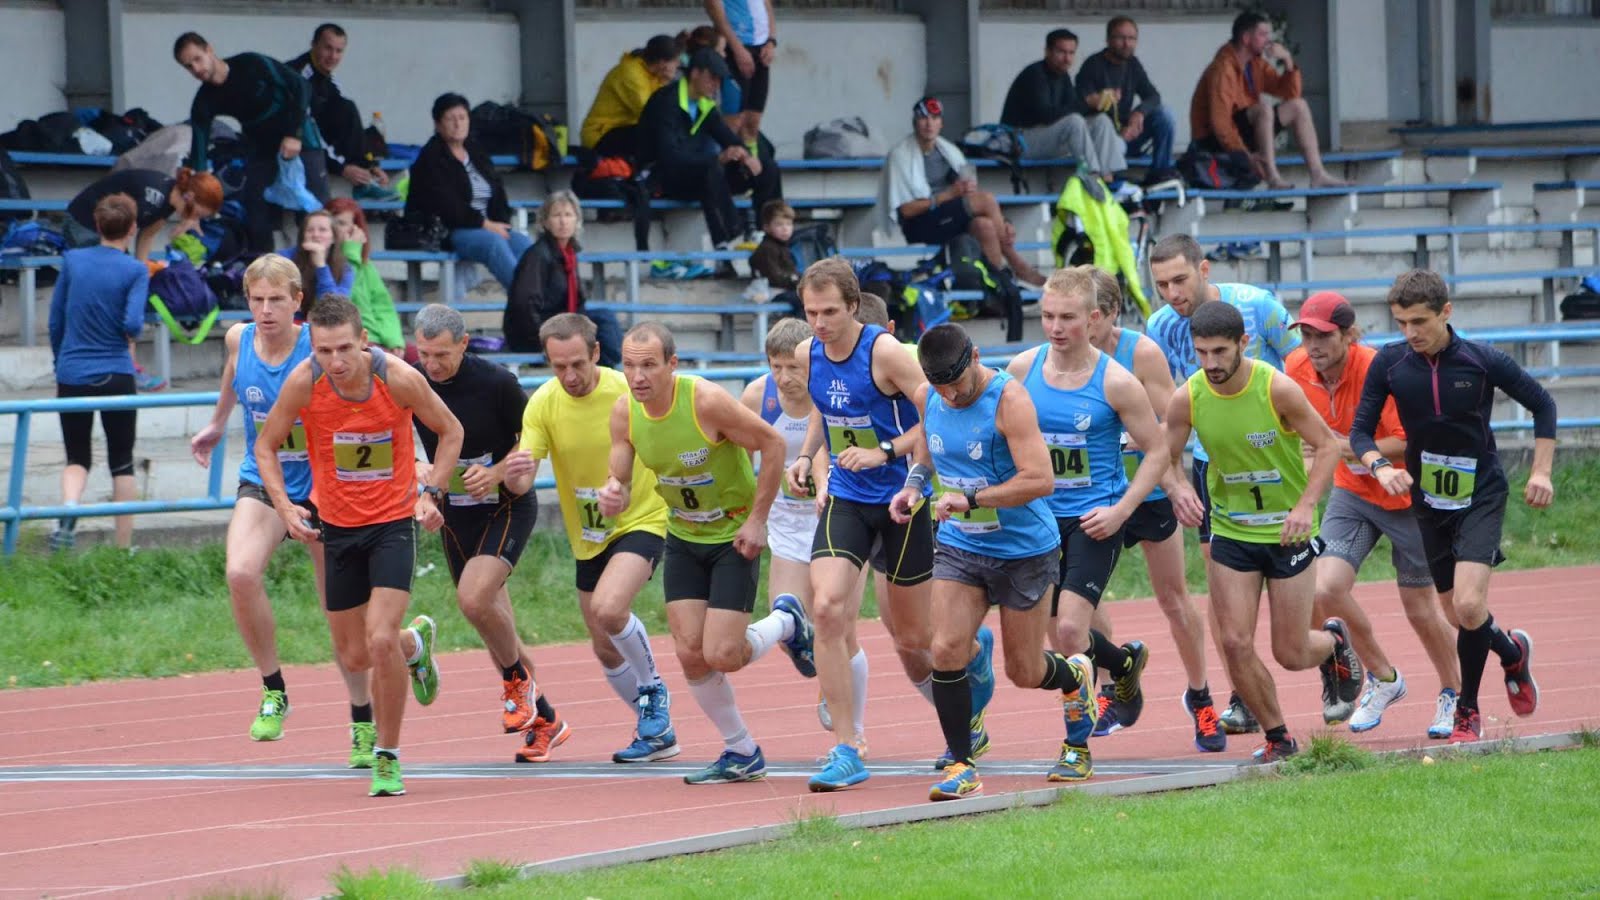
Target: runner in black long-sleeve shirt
1443,387
270,102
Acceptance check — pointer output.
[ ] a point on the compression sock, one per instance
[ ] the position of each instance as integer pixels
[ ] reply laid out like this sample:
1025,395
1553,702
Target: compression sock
274,682
952,698
1058,676
714,693
1472,648
362,713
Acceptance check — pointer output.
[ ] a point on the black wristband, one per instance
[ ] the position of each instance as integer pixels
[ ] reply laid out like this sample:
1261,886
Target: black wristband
972,497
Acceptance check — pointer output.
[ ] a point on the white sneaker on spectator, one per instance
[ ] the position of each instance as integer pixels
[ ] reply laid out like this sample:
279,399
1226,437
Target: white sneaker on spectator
1375,699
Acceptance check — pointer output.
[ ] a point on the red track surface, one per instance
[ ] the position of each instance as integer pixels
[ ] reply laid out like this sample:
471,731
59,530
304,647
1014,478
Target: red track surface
177,836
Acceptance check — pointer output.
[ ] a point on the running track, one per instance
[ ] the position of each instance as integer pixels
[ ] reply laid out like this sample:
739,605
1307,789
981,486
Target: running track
151,789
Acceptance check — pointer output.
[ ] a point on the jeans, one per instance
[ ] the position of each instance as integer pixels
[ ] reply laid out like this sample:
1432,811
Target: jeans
609,335
500,255
1156,137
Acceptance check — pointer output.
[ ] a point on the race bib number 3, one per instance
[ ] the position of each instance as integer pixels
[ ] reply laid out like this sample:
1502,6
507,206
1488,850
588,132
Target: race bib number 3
973,521
293,448
363,456
1448,481
1069,460
459,495
850,431
692,498
592,526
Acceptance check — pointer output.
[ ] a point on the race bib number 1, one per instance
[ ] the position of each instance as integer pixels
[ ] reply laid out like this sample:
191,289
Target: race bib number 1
592,526
361,456
1448,481
293,448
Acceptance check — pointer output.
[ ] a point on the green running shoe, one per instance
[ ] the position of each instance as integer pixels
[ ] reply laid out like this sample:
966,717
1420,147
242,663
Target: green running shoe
268,725
424,676
1074,764
386,778
363,735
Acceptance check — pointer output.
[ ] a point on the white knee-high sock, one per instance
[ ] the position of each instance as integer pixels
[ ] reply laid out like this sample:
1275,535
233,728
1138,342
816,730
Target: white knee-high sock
715,696
925,688
622,681
633,642
762,635
858,692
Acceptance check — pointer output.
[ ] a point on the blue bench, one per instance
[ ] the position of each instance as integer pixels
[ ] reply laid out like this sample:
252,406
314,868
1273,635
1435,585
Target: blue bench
8,204
1563,201
1445,164
1329,209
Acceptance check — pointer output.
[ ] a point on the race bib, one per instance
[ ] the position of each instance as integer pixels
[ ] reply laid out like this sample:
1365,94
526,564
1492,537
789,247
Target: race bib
459,496
1448,481
1069,460
692,498
363,456
792,500
592,526
973,521
850,431
1130,457
1255,498
293,448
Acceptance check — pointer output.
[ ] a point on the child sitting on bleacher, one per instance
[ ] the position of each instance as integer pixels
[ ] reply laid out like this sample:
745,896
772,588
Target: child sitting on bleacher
773,260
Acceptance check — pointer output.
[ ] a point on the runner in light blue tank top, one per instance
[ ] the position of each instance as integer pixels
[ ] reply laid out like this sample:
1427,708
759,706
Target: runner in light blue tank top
1127,343
1084,434
968,451
256,384
855,413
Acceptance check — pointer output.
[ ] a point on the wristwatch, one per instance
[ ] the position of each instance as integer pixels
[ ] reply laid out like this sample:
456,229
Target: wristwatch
1381,462
437,493
972,497
888,451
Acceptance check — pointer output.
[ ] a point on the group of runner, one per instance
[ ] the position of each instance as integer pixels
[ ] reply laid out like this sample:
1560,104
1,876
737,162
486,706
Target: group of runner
962,486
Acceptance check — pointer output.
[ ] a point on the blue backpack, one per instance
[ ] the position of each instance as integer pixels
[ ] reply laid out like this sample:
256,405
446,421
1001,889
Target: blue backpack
183,300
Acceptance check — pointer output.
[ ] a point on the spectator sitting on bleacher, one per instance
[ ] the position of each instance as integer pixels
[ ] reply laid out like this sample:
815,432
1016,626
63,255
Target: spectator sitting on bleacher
1230,112
192,197
750,43
454,180
337,116
924,188
696,157
320,260
548,283
367,289
97,308
1054,120
773,260
1111,80
270,101
610,127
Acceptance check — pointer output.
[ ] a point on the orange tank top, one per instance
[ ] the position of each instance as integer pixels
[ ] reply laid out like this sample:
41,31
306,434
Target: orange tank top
363,465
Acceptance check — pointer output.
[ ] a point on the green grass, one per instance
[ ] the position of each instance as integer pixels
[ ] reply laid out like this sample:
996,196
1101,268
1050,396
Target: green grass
104,614
1501,825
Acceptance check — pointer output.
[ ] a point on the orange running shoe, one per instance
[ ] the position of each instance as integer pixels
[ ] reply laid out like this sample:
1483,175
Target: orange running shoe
541,739
519,695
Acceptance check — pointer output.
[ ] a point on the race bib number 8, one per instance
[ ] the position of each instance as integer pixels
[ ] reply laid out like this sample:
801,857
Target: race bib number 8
592,526
1069,460
692,498
973,521
361,456
850,431
1448,481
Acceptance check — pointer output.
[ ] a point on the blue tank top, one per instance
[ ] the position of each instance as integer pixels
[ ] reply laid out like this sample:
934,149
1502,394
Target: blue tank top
969,452
1127,342
1084,434
855,413
256,384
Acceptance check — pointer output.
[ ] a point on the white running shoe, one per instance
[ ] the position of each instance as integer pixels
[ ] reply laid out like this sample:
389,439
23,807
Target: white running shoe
1444,716
1375,699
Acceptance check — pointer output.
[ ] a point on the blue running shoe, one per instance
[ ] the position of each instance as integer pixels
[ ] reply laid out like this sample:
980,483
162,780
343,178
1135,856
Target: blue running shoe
843,770
980,744
980,674
654,705
1078,707
654,749
799,645
730,768
960,780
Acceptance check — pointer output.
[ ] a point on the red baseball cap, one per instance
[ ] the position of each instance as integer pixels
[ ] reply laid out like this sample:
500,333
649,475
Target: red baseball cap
1325,311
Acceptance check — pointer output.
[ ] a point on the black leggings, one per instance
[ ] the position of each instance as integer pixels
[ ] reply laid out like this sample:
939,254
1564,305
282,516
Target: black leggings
117,424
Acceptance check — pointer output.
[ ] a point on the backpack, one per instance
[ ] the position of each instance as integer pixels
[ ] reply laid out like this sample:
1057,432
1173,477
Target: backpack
184,301
969,271
811,243
12,186
508,130
845,138
30,237
1002,143
1217,171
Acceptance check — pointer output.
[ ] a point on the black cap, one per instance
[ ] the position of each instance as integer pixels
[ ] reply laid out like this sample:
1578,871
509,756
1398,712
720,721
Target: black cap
707,58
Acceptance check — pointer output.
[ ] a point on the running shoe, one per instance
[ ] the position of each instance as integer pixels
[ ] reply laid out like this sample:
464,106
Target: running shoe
541,738
363,735
268,725
843,770
1341,675
1105,720
517,696
1444,715
653,749
1375,699
1208,736
799,645
1074,764
731,768
62,539
1522,690
424,675
1237,718
655,711
1468,727
1127,695
980,674
1078,706
960,780
386,778
980,744
1275,751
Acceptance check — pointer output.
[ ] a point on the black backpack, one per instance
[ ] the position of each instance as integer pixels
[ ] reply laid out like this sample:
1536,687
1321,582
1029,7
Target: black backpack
12,187
1217,171
811,243
508,130
969,271
1001,143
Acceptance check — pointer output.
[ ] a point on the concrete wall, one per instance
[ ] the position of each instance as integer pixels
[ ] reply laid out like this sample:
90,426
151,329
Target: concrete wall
33,63
1363,76
1541,72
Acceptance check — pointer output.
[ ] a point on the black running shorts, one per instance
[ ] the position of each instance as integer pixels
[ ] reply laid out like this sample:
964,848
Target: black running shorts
1086,564
715,573
1461,535
642,544
1275,561
367,557
1154,521
500,530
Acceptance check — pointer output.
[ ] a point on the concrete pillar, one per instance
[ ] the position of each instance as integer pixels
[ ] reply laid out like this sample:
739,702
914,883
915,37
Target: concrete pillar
94,51
951,47
1473,100
549,56
1311,35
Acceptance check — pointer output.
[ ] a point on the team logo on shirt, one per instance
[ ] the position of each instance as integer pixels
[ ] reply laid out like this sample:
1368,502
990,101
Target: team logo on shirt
695,458
935,443
838,393
1262,439
1082,421
252,394
975,449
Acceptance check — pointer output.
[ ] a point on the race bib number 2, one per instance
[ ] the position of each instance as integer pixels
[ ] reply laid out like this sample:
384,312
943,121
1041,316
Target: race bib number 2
363,456
1448,481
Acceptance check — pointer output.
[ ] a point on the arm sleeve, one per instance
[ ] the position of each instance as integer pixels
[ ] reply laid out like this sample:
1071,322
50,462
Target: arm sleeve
1374,394
435,193
1091,77
134,302
1506,375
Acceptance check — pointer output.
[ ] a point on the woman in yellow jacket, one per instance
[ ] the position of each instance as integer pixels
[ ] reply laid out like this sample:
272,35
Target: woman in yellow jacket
608,129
